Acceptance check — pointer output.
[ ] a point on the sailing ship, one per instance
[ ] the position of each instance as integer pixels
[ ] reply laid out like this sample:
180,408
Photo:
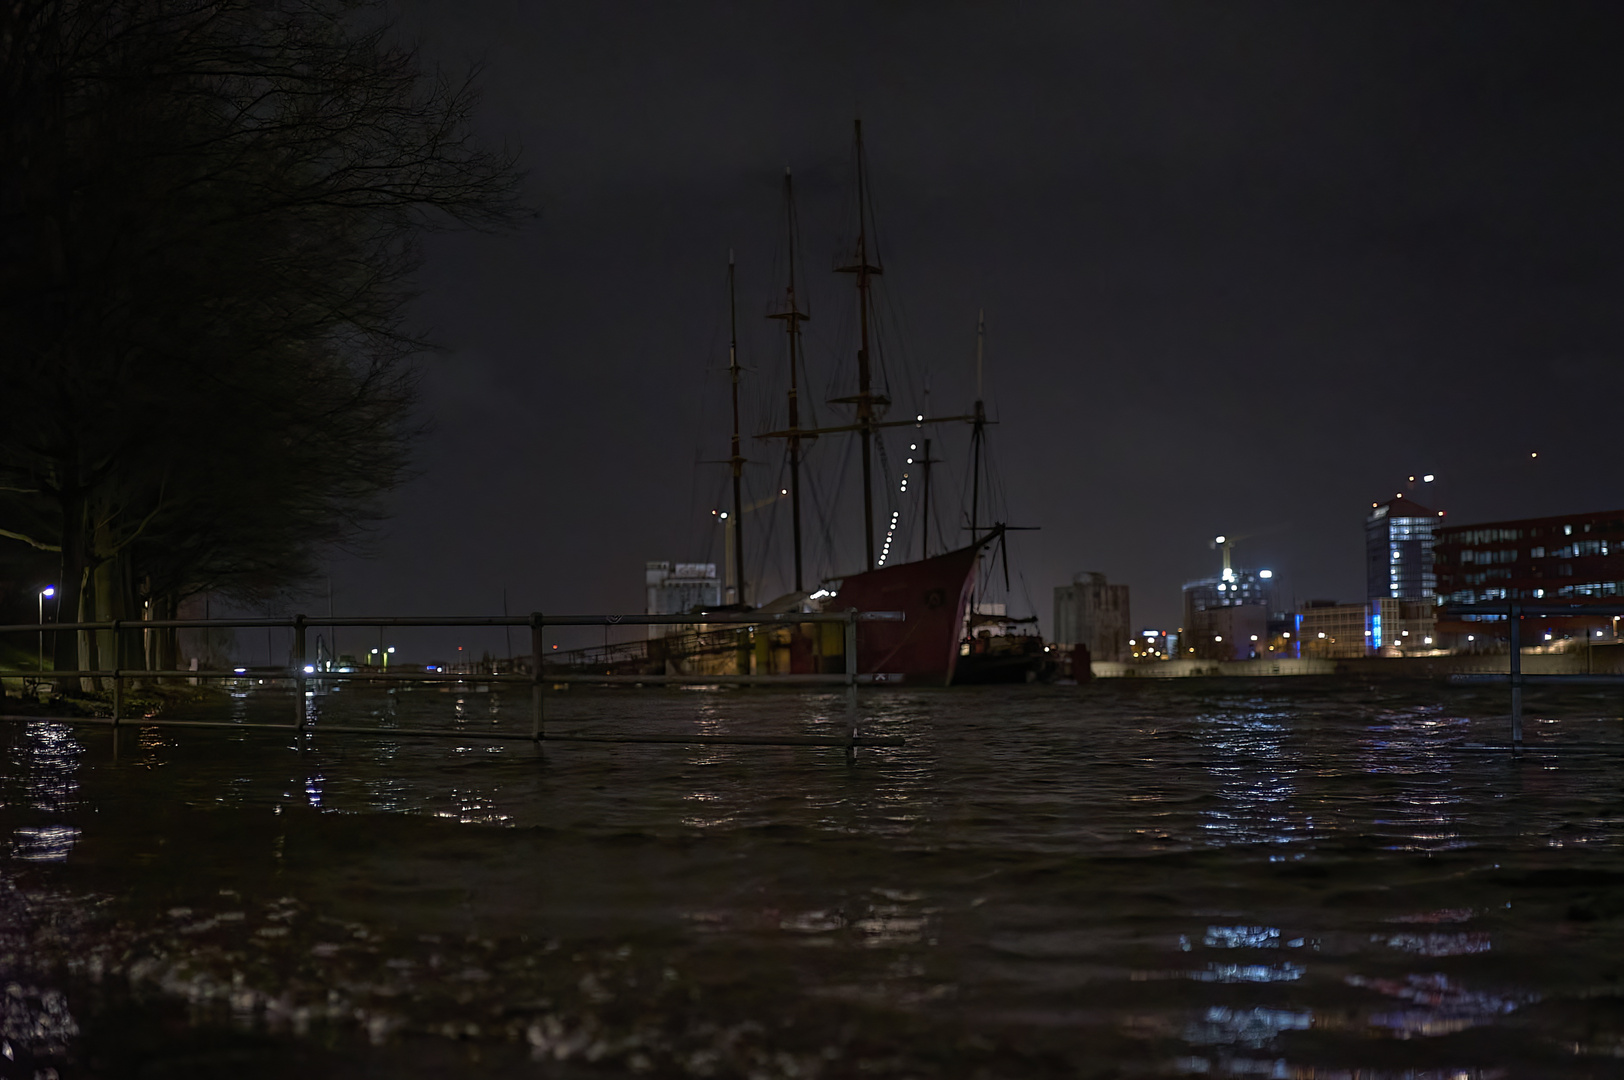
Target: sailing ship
997,647
941,638
933,593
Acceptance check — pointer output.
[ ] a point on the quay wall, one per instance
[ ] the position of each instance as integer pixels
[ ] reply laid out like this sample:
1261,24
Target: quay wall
1606,658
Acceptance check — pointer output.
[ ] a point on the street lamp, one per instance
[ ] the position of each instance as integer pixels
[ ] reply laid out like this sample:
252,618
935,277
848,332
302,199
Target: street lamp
39,664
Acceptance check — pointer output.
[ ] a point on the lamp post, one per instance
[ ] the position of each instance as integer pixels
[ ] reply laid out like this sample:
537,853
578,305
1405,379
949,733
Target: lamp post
39,662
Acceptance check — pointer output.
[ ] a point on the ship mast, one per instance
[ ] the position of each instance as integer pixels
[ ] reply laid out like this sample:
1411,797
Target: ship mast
924,512
865,399
978,430
793,317
737,457
871,406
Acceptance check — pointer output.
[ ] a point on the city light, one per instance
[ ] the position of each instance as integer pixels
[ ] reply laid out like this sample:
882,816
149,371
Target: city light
1429,478
49,590
310,669
1218,540
1265,574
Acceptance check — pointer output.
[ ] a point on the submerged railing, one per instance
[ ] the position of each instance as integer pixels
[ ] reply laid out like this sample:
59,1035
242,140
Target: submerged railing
1514,612
302,673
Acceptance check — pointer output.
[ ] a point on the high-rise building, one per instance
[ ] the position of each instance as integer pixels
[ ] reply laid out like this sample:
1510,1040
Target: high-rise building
1092,612
1398,550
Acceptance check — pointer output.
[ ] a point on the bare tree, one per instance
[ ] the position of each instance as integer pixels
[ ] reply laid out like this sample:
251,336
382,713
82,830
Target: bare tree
209,222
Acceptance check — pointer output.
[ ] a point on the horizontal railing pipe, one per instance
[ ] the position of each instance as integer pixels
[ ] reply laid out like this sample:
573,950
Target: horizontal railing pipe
730,618
708,680
1501,678
561,678
301,674
833,741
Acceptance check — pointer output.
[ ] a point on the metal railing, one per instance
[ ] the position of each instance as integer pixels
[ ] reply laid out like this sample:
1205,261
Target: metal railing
1513,612
538,678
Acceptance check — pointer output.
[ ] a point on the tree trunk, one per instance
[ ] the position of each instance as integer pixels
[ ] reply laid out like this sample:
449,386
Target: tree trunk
89,658
165,655
66,648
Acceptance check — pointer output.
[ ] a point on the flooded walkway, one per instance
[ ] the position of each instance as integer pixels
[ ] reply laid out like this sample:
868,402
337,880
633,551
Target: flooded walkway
1240,879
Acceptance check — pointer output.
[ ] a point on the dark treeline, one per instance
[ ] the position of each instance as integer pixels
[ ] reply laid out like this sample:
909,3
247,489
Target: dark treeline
208,223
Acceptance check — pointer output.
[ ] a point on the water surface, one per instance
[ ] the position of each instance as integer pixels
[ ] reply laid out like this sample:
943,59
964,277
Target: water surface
1295,878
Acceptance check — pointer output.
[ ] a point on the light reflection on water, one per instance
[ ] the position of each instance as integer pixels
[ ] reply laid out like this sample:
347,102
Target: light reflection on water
1251,754
1168,879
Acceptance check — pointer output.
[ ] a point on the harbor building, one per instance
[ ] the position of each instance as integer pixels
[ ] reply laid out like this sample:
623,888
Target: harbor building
678,588
1332,631
1092,612
1399,538
1227,617
1572,558
1402,626
1226,632
1156,645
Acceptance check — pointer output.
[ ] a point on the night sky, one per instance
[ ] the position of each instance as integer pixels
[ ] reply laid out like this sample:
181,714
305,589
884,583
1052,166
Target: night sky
1245,268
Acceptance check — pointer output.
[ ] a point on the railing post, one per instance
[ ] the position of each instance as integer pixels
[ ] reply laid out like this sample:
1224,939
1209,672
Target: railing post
1514,616
301,712
851,685
536,688
118,679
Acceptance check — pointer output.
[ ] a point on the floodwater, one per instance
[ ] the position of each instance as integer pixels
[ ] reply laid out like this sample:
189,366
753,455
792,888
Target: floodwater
1280,878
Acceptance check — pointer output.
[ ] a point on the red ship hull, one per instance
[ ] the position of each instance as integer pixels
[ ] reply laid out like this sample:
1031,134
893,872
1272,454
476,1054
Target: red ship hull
933,595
